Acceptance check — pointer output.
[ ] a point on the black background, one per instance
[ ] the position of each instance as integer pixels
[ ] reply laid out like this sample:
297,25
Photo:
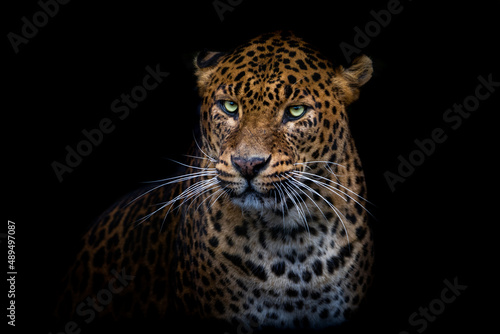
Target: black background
439,224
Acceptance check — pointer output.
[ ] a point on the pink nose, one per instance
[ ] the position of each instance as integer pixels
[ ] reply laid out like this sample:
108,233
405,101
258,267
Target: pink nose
251,166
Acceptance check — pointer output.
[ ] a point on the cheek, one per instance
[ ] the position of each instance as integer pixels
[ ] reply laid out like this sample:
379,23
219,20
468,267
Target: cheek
216,128
303,135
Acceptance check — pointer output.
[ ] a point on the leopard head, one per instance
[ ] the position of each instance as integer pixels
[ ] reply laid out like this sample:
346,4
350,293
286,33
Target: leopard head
271,107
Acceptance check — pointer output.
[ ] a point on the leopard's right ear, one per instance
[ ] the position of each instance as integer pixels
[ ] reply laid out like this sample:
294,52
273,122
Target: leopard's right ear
207,58
205,63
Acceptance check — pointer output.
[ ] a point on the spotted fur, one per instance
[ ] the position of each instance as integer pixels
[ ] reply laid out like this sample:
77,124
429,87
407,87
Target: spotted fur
268,226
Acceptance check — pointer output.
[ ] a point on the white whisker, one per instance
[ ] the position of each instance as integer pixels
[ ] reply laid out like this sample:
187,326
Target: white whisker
222,190
172,180
189,166
336,191
318,161
284,205
336,183
201,150
184,177
192,193
296,184
200,158
337,211
299,204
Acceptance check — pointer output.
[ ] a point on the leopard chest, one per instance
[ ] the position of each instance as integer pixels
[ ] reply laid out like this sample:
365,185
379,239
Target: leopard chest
295,277
286,293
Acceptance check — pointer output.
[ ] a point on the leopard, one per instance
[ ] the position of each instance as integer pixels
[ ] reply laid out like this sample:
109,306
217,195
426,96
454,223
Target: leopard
266,225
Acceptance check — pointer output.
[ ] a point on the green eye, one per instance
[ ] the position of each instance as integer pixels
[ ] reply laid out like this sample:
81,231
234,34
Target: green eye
230,106
296,111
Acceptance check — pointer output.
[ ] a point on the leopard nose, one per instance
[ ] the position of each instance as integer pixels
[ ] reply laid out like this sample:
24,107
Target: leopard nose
249,167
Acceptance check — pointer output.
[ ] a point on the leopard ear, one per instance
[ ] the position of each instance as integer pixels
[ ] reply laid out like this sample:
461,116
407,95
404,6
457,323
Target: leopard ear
207,58
205,63
358,74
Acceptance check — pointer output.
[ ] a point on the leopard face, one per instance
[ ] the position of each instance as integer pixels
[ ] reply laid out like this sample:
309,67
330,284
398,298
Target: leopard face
269,108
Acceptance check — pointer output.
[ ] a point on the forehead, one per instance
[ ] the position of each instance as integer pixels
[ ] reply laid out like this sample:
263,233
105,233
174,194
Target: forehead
274,59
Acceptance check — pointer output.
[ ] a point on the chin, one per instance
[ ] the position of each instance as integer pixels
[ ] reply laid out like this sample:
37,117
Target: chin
253,201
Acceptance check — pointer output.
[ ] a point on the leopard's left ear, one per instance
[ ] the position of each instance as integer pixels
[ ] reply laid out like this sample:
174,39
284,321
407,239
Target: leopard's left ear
354,77
205,64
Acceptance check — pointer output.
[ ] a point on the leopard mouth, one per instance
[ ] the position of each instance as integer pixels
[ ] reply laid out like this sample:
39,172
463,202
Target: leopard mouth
249,195
252,199
266,190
